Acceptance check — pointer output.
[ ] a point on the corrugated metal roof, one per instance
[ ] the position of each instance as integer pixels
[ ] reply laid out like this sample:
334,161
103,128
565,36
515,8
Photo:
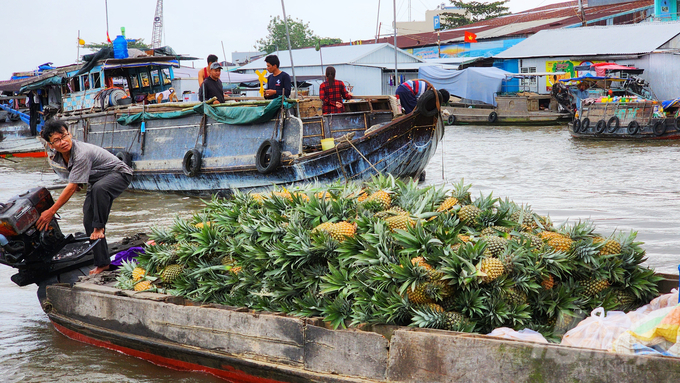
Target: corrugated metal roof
334,55
595,41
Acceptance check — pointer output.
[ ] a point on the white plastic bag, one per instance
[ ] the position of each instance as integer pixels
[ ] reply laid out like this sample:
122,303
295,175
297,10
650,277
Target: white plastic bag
599,330
660,302
524,335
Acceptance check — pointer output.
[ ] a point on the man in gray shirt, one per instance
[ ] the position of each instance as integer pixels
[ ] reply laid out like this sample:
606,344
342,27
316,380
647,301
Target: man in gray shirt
107,177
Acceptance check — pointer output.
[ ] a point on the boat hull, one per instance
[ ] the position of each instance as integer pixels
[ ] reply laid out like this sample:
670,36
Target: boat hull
481,116
645,132
245,346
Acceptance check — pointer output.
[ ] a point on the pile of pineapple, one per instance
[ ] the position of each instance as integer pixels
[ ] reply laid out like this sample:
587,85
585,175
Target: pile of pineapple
391,252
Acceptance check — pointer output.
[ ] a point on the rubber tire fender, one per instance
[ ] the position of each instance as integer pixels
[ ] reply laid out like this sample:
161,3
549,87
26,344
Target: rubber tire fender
452,119
125,157
493,117
633,127
426,104
585,124
191,163
676,124
613,124
269,148
659,128
600,127
576,125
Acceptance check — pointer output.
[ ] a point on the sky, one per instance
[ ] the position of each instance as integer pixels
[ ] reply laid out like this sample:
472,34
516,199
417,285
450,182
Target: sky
40,31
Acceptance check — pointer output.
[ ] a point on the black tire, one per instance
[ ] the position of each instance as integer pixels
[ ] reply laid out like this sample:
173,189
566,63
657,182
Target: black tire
600,127
427,104
613,124
576,125
633,127
659,128
191,164
676,124
585,124
268,156
452,119
125,157
493,117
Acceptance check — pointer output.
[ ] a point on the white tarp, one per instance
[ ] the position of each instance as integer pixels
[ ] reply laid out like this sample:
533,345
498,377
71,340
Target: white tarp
480,84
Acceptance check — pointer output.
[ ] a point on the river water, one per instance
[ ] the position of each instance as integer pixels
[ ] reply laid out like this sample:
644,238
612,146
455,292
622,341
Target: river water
621,186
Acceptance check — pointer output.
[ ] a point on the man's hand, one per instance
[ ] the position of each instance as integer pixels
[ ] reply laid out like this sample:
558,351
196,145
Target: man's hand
269,92
216,102
44,221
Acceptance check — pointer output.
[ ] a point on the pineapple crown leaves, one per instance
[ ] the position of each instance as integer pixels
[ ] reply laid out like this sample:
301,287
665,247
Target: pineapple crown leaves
338,281
127,267
182,229
459,268
338,312
308,305
407,275
461,192
416,240
162,235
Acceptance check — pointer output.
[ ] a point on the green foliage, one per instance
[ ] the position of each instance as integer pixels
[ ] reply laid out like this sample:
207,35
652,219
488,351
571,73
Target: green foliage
300,36
474,11
137,43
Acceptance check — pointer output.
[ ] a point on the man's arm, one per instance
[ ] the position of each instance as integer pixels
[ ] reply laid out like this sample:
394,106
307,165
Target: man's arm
200,77
47,215
285,88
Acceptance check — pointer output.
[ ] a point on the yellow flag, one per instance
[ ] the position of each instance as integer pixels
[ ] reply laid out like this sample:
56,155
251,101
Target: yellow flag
81,42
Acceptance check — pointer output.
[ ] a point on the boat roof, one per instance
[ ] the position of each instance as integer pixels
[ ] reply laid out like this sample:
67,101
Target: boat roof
633,39
136,62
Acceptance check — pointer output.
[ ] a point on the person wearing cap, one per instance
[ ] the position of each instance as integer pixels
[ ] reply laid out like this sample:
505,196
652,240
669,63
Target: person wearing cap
278,82
205,72
212,86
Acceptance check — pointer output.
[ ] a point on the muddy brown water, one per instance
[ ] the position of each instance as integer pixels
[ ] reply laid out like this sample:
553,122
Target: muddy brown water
620,186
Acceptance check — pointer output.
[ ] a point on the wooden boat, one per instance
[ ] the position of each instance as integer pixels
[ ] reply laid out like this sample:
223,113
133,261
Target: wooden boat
518,109
204,148
240,345
16,139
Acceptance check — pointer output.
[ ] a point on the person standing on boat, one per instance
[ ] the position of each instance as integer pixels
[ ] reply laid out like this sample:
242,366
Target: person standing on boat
278,82
408,93
581,93
212,86
332,92
107,177
205,72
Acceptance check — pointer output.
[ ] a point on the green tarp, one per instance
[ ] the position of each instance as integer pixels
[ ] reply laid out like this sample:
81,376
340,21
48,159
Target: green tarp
233,115
55,80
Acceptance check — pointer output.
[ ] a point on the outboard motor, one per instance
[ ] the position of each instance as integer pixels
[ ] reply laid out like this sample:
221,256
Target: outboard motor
38,255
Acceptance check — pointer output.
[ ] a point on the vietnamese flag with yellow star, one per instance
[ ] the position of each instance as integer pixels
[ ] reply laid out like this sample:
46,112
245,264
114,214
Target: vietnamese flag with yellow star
470,37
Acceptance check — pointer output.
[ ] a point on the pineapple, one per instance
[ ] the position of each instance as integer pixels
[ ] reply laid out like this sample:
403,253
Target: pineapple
489,269
342,230
535,241
143,285
448,204
420,261
171,272
138,273
362,197
524,217
236,269
417,295
201,224
326,226
464,238
468,214
447,320
515,296
610,246
561,243
495,245
548,235
494,230
593,286
548,283
382,197
400,222
391,212
624,299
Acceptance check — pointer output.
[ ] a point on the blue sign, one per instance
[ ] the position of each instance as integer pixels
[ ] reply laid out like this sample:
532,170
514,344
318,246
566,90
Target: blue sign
437,24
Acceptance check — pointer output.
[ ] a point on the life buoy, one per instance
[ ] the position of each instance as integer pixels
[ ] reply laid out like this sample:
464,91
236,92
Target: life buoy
191,164
493,117
659,128
576,125
600,127
613,124
426,104
268,156
633,127
125,157
585,124
452,119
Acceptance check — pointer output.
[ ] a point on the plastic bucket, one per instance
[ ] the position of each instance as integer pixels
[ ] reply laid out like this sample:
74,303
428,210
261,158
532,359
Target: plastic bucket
327,143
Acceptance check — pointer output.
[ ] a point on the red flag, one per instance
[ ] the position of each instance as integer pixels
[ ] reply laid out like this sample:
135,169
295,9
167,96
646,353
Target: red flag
108,39
470,37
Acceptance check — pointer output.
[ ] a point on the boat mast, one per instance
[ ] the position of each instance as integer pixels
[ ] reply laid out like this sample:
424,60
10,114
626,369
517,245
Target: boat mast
290,51
396,76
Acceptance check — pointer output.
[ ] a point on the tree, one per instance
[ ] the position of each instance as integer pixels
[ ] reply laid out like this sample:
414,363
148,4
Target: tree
138,43
300,36
474,11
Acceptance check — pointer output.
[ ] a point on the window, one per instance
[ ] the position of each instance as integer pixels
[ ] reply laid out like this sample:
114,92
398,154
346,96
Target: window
85,82
155,77
134,81
144,78
96,80
527,83
166,76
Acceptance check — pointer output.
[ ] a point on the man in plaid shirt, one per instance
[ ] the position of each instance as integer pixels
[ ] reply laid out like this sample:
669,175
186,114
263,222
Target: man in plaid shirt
332,92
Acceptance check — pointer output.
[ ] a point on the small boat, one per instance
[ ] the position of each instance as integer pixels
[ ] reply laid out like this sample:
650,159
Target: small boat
242,345
201,148
492,96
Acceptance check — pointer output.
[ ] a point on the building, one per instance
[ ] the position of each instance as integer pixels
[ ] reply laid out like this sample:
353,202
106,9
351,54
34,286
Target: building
652,46
412,27
366,69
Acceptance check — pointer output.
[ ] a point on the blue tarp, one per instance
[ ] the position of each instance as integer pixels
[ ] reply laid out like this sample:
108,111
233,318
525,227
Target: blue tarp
670,103
480,84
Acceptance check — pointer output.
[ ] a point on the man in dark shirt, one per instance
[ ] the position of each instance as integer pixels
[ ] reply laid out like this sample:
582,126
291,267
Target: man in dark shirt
212,86
107,177
278,83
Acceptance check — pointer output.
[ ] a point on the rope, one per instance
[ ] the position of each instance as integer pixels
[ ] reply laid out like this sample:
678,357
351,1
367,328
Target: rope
355,148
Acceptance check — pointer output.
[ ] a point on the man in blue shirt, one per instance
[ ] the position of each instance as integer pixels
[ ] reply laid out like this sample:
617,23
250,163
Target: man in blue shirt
278,83
581,94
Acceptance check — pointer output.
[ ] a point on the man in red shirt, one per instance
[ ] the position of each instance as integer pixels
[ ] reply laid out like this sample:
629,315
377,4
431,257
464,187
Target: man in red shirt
332,92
